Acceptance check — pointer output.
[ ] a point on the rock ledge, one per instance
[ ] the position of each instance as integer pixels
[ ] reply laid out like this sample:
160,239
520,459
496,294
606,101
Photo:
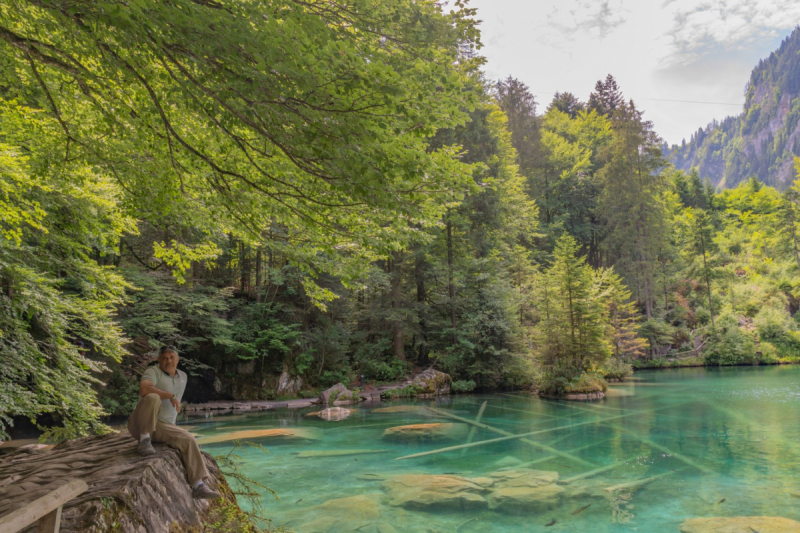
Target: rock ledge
127,493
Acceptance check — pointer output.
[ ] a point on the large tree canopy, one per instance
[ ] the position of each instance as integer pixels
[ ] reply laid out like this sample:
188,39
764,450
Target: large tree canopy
243,115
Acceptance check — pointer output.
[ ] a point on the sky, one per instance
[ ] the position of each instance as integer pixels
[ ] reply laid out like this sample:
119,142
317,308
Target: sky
689,50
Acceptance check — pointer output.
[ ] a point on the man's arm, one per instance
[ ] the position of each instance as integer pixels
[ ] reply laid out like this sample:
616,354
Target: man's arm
146,387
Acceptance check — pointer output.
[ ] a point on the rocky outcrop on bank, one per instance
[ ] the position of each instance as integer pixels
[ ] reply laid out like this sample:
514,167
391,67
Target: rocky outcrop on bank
127,493
338,395
432,383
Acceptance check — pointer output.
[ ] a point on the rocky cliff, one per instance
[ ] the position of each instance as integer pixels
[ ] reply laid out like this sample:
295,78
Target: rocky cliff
127,493
761,142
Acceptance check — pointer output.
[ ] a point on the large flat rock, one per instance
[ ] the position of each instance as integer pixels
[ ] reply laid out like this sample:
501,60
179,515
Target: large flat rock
127,493
431,492
343,515
741,524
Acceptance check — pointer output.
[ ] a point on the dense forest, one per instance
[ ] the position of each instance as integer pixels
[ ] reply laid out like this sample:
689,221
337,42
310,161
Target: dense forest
331,192
763,141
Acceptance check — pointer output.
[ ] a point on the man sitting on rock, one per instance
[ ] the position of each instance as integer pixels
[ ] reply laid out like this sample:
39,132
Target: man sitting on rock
161,389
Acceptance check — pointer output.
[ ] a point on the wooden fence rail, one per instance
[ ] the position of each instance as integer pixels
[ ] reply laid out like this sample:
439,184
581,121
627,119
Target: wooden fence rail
46,510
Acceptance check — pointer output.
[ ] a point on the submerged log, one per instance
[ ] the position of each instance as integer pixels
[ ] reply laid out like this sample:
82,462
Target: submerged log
526,441
474,428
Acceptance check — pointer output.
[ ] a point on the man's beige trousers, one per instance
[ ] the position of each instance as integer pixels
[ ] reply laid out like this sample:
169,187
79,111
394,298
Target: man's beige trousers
144,419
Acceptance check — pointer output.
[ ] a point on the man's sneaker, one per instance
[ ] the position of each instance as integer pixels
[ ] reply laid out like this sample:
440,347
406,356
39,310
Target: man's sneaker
202,492
146,447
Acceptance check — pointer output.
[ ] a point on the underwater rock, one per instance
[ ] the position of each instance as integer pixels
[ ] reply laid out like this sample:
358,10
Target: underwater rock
343,515
275,436
525,498
740,524
338,395
432,383
427,432
437,492
524,478
524,490
482,481
507,462
332,414
587,488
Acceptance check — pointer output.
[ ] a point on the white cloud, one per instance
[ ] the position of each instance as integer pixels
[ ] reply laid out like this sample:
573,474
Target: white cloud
663,54
732,24
574,16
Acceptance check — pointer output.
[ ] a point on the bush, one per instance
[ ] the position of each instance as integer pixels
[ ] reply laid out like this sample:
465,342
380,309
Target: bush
463,386
616,369
777,328
587,382
384,371
729,345
329,378
557,381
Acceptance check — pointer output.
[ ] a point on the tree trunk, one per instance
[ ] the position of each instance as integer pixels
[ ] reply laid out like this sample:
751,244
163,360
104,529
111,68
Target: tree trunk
422,296
708,282
794,234
397,295
451,288
258,274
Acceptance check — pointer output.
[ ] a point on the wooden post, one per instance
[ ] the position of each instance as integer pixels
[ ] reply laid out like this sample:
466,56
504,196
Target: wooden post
46,510
51,522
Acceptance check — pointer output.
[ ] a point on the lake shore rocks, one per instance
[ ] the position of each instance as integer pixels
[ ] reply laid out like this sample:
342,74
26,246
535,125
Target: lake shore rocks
338,395
287,384
740,524
331,414
432,383
427,432
127,493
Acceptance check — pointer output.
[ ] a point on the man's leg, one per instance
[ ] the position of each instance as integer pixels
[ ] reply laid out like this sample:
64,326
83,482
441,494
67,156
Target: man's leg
143,420
184,442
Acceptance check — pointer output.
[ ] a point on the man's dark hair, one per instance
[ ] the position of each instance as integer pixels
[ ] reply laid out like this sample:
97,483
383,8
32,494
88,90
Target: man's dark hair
167,348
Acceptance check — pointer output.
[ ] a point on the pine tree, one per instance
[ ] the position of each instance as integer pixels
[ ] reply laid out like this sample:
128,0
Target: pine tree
572,308
567,103
606,97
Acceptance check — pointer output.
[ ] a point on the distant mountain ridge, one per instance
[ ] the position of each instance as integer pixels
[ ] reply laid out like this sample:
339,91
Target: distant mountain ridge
764,139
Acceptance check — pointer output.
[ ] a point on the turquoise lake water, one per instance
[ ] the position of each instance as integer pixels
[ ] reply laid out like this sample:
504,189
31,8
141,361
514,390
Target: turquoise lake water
702,442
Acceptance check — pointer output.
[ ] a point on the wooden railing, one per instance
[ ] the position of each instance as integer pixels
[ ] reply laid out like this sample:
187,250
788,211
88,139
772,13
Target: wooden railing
46,510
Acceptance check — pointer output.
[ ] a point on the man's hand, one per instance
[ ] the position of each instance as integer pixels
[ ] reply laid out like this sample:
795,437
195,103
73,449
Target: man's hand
176,404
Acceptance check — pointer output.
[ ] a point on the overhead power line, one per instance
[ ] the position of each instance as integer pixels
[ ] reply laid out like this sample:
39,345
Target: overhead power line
691,102
661,100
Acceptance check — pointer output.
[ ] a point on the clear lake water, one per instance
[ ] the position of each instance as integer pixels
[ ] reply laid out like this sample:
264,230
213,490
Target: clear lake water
659,449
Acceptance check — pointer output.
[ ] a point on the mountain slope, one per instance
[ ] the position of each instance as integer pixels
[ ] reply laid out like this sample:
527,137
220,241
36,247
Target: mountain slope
764,139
